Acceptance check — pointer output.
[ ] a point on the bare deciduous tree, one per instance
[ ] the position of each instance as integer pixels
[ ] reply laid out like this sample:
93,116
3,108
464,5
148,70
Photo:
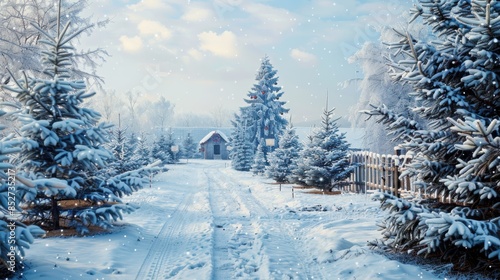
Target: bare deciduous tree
19,40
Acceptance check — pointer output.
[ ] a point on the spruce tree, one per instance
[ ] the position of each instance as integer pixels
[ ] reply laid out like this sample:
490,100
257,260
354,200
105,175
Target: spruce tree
265,107
455,148
284,159
162,150
142,150
13,246
242,150
324,161
259,160
62,140
123,151
189,147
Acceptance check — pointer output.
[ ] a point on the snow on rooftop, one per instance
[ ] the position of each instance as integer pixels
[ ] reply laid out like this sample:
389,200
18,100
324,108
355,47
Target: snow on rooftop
209,135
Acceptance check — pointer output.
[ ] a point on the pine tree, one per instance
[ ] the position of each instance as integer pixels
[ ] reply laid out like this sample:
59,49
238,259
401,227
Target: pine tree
62,140
284,159
455,81
161,150
324,161
242,150
265,107
259,160
142,150
189,147
12,247
123,151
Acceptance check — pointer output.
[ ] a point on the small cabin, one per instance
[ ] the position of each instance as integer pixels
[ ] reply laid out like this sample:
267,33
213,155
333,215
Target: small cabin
214,145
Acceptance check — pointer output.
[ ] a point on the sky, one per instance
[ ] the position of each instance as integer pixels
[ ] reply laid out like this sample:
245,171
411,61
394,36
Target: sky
204,55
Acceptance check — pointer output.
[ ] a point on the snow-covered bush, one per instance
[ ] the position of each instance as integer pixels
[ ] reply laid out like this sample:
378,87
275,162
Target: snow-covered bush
455,82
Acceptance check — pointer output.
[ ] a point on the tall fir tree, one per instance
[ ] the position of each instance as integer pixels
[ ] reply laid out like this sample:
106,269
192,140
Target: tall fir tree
265,106
62,140
455,81
284,159
324,161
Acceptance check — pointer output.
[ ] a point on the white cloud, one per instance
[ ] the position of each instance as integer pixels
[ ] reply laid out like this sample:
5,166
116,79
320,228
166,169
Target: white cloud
220,45
197,14
131,44
150,27
196,54
302,56
149,5
270,18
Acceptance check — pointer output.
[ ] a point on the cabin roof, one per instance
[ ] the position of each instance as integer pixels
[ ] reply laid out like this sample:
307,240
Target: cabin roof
211,133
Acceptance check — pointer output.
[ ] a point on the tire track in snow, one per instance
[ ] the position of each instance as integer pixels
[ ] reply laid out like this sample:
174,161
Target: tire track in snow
273,256
281,249
236,253
183,243
151,267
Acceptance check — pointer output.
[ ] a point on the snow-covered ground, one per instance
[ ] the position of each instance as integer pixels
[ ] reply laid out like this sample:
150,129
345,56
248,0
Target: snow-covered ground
203,220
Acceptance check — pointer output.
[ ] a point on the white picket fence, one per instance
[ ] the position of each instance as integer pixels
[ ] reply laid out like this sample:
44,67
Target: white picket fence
379,172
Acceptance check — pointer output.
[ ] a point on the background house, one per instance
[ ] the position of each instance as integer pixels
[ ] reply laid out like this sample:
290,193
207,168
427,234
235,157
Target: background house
213,145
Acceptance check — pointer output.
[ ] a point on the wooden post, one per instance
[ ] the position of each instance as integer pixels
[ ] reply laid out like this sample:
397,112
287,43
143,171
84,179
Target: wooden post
293,193
396,173
55,213
280,186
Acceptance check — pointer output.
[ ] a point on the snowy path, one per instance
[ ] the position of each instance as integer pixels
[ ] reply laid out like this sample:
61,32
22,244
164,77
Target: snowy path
240,239
182,237
248,241
203,220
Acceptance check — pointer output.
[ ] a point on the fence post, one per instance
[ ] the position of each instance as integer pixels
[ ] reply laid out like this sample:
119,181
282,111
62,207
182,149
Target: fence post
397,152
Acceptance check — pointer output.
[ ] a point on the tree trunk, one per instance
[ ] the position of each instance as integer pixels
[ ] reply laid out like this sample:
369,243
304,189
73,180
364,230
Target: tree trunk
55,213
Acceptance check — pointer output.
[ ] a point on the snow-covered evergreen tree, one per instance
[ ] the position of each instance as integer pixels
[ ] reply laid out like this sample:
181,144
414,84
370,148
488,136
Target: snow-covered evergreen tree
324,161
12,248
142,150
284,159
162,150
190,147
455,82
123,151
259,159
242,150
62,140
265,106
